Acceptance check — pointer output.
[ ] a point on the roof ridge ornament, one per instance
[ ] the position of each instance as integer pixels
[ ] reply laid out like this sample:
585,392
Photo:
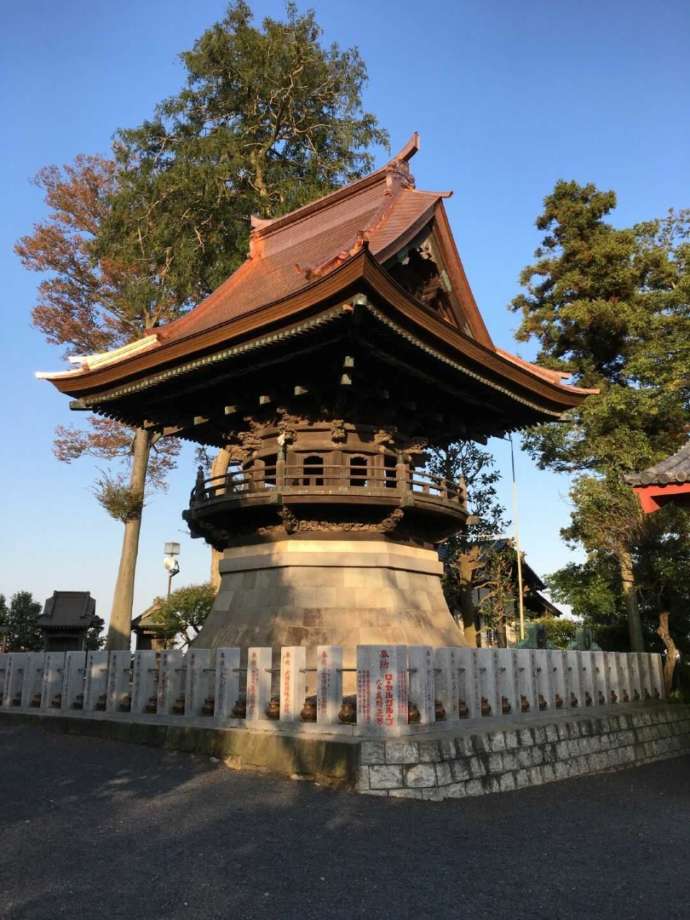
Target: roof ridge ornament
102,358
408,151
398,173
311,273
258,223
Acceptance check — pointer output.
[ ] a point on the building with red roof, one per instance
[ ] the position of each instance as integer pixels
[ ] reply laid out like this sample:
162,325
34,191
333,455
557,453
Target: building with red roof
347,343
667,481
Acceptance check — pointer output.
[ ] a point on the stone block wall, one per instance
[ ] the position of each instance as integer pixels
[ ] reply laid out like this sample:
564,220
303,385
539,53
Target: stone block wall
514,757
339,592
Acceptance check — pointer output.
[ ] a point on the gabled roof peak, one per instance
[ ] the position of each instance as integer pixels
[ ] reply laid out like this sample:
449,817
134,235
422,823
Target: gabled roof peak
409,150
396,174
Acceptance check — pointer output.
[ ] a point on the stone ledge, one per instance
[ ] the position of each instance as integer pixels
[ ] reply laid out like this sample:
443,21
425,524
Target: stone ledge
326,760
501,761
468,763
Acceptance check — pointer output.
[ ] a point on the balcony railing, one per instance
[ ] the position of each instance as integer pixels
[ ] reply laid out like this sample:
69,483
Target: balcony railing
328,479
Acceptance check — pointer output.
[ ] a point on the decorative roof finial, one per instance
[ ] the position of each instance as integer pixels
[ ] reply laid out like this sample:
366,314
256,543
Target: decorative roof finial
409,150
398,169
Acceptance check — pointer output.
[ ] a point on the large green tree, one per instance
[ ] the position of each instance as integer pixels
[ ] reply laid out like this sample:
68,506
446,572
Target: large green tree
19,622
268,119
594,589
611,307
4,630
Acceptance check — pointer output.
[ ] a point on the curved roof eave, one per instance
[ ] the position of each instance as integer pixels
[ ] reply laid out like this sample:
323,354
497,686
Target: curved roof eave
361,269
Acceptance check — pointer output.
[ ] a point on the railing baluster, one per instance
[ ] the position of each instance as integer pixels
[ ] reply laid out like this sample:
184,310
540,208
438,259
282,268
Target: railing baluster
328,478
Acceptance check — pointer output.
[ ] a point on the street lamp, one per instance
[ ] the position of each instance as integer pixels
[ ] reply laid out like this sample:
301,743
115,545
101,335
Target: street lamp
172,566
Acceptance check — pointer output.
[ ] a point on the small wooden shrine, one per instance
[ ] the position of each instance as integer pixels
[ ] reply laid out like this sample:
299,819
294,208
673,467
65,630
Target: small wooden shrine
346,344
149,633
66,620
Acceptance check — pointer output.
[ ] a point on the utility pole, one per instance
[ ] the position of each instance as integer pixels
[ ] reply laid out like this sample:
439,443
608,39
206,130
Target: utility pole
518,554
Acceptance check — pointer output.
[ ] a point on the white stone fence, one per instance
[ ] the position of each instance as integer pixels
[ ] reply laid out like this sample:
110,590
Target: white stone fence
400,689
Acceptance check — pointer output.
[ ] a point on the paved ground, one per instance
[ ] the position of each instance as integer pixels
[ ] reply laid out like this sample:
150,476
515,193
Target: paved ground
98,829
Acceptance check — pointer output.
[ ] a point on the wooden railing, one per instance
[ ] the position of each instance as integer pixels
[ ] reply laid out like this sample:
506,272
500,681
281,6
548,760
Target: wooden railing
328,478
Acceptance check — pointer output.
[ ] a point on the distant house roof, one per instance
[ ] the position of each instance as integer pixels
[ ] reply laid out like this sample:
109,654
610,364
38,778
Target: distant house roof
67,610
147,619
529,576
533,585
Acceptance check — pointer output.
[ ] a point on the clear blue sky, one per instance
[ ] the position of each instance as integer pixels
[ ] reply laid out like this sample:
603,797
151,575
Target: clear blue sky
508,97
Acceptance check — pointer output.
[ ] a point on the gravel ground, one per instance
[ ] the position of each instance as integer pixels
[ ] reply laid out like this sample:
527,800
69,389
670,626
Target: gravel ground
98,829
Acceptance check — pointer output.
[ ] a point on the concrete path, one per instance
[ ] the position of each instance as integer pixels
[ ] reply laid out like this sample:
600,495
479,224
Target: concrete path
96,829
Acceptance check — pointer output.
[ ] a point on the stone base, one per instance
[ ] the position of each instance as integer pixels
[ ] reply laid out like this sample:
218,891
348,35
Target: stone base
329,592
525,751
472,759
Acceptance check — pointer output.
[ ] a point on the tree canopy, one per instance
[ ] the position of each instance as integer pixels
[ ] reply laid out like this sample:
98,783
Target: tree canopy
19,623
268,120
611,306
181,615
88,304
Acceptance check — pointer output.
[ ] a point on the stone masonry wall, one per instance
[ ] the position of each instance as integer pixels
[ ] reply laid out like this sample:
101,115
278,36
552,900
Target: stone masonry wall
515,757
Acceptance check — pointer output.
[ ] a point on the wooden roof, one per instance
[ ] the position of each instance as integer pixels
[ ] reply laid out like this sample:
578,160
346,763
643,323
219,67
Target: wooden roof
69,609
306,258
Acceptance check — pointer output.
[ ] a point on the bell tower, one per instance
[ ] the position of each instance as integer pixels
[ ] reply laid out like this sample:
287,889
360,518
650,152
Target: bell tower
347,344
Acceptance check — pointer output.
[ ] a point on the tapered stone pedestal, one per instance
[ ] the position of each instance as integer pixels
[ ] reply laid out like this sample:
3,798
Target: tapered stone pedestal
329,592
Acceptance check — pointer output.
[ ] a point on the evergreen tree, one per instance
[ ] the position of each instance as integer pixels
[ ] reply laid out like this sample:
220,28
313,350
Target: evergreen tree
4,626
23,634
610,307
269,120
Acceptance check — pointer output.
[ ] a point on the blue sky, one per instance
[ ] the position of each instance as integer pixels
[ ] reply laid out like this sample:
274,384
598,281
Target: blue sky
508,97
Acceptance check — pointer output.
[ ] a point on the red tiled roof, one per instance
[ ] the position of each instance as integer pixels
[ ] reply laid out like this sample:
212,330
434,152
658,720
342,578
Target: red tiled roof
298,259
288,253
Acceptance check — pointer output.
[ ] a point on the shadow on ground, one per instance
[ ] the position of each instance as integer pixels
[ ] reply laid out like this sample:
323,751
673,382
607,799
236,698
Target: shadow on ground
95,828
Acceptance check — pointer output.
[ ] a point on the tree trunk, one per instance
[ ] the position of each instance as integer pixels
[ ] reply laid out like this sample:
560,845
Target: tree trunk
671,652
630,597
219,467
467,565
501,631
120,625
469,616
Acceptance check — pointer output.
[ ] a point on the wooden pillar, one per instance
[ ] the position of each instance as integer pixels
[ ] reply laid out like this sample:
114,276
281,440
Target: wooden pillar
219,467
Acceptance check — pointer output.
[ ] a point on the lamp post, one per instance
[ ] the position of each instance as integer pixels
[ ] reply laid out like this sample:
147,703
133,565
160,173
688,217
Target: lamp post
170,563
